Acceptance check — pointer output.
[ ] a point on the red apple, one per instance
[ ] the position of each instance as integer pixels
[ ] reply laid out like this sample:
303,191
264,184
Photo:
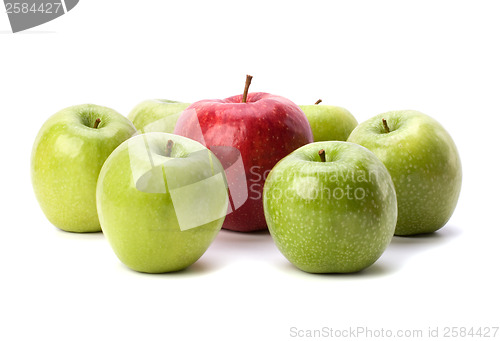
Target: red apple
249,134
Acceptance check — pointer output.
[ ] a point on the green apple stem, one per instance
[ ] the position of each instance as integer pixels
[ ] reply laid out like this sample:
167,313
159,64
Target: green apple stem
245,91
386,127
322,155
96,123
170,144
318,101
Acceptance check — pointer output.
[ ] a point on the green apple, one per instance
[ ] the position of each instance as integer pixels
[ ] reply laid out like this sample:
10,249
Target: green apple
67,156
162,199
330,207
423,162
156,115
329,122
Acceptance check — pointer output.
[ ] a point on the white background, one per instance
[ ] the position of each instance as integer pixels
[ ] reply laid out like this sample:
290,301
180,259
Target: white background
439,57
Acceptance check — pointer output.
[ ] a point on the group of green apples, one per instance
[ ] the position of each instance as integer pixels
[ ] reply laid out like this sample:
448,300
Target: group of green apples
331,206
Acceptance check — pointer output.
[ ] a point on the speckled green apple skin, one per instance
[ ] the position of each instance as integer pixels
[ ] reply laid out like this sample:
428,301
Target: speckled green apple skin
146,113
329,122
142,228
66,159
315,227
423,162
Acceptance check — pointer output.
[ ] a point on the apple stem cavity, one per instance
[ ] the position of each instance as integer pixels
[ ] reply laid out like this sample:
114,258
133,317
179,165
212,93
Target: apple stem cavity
245,91
96,123
170,145
322,155
386,127
318,101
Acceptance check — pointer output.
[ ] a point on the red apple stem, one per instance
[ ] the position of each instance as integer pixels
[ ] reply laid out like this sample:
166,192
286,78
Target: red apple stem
386,127
245,91
318,101
96,123
170,145
322,155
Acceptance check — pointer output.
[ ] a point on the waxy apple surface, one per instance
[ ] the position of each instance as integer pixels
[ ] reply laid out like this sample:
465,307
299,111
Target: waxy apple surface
67,157
336,215
257,134
423,162
161,209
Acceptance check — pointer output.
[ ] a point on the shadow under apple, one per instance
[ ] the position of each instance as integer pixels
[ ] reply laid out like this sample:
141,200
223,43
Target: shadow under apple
375,270
94,235
199,268
397,254
402,248
227,248
231,246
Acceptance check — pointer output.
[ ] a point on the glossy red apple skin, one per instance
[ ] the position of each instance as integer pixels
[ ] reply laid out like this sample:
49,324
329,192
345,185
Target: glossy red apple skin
264,130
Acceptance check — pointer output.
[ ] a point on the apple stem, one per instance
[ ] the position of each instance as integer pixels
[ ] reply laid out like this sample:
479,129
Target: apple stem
170,144
322,155
386,127
245,91
318,101
96,123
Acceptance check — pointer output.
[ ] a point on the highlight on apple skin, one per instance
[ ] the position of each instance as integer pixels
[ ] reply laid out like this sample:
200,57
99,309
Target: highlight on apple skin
423,162
66,159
